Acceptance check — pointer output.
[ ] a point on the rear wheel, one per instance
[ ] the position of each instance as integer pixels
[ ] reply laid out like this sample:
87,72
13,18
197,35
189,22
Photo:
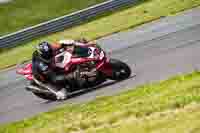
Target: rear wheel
121,70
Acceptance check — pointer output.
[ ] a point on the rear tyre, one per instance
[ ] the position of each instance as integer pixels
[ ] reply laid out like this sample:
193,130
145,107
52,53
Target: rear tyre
121,70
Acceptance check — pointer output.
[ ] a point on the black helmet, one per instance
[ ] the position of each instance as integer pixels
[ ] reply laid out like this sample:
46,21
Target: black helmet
45,50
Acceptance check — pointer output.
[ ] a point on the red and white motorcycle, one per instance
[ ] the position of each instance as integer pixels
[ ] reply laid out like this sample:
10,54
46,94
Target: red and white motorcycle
106,68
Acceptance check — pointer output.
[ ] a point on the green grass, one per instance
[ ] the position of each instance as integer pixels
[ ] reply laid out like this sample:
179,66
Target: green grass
101,26
170,106
19,14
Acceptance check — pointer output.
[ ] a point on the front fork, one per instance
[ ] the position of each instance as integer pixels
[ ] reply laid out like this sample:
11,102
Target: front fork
105,67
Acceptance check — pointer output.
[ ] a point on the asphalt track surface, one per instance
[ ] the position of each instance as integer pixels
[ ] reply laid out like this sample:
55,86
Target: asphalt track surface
155,51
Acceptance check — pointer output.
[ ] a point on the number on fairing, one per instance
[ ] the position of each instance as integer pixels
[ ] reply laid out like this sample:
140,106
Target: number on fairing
91,52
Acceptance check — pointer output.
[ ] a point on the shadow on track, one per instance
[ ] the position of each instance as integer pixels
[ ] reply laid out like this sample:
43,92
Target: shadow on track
84,91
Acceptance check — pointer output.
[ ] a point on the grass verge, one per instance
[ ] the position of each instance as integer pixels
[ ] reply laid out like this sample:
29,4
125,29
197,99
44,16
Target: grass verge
170,106
19,14
144,12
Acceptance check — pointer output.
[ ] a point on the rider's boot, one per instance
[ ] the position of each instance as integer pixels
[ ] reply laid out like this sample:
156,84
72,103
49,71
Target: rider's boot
62,94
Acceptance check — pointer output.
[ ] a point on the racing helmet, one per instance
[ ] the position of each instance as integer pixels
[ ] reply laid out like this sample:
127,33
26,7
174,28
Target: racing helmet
45,50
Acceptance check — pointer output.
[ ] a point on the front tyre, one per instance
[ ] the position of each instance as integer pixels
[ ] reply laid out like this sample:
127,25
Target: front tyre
121,70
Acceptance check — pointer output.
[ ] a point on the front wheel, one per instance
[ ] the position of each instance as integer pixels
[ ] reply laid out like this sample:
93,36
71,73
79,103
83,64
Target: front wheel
121,70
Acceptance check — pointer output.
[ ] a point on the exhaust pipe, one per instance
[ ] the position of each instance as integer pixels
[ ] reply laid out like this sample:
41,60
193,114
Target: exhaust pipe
44,86
36,89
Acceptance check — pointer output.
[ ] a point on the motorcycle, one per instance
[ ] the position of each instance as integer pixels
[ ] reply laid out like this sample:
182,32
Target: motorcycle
95,57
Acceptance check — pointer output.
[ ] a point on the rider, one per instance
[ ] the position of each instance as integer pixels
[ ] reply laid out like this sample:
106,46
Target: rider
76,48
73,46
44,68
43,63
